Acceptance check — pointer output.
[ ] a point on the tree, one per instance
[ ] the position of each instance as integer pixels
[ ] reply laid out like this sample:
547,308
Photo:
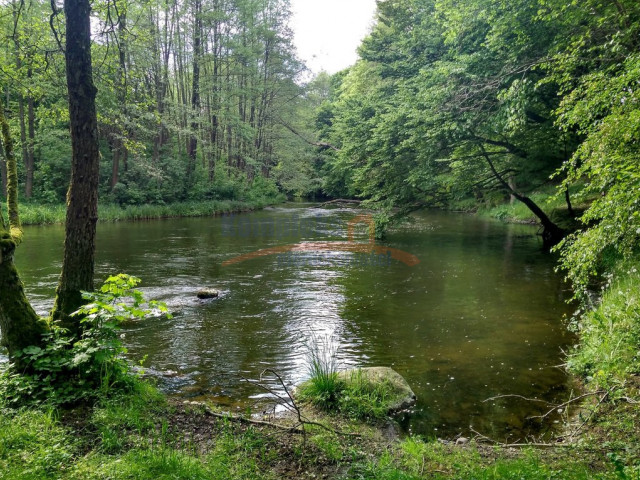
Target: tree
20,325
444,104
597,66
82,199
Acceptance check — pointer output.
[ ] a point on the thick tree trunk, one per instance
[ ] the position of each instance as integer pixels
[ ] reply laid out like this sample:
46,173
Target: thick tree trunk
19,323
82,209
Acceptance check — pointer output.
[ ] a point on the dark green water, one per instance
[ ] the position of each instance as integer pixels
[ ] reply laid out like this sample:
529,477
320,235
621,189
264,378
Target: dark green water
479,316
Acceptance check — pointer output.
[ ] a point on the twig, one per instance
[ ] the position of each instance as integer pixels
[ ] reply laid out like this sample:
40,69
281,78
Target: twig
553,405
517,444
290,404
509,395
602,399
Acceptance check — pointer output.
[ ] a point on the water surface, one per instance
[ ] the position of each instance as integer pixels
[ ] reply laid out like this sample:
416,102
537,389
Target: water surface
479,316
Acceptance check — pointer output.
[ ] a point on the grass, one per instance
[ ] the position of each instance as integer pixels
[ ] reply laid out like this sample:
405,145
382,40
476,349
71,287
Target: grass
141,436
35,214
609,350
352,395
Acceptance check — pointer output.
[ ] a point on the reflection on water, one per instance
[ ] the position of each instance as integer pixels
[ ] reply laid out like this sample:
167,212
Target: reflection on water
479,315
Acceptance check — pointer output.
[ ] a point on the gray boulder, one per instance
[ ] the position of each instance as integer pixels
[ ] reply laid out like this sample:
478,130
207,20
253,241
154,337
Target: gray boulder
402,396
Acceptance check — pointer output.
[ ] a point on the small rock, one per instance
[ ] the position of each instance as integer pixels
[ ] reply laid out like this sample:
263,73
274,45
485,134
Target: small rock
207,293
462,441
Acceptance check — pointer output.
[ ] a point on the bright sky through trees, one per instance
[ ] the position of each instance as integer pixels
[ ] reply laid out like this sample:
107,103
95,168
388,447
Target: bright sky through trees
328,32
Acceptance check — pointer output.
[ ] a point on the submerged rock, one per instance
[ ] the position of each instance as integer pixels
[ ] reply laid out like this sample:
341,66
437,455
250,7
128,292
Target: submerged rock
402,396
205,293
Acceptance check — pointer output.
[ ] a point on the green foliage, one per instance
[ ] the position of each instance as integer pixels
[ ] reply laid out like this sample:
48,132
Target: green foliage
610,333
65,370
608,159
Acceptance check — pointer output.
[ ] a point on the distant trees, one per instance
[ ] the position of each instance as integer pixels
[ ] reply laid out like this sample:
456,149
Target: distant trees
455,100
191,94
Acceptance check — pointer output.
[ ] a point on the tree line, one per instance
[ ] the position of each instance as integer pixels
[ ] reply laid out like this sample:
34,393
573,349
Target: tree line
454,102
191,96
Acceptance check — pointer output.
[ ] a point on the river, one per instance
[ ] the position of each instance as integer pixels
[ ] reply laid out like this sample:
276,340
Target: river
478,316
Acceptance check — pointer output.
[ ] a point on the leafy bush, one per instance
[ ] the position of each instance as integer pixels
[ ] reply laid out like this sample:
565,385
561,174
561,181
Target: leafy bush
67,370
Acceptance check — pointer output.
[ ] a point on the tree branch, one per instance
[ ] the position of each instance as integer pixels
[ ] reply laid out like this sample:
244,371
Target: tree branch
315,144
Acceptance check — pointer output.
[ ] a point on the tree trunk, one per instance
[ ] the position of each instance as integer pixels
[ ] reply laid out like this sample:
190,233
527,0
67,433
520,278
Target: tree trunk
30,164
82,198
552,234
19,323
3,175
192,149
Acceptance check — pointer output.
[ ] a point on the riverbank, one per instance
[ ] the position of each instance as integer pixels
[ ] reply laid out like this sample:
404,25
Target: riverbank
36,214
547,198
143,436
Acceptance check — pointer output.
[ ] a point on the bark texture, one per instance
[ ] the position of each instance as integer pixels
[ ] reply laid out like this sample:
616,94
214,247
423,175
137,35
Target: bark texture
82,198
19,323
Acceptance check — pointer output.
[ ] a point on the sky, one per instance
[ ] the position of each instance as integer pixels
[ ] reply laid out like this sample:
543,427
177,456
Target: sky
328,32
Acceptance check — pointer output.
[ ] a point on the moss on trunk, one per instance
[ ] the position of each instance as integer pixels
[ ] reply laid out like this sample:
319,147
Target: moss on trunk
20,324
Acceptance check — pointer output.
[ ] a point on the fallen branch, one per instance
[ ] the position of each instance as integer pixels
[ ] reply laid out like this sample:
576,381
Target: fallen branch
516,444
241,419
341,200
310,142
290,404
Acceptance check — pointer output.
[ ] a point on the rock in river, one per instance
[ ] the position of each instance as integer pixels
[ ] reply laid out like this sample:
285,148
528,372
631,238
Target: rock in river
402,396
204,293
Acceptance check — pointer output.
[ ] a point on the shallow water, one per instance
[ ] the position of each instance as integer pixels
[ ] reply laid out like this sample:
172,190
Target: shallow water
479,316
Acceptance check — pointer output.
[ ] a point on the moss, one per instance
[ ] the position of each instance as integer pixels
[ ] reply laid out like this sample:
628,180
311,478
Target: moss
20,324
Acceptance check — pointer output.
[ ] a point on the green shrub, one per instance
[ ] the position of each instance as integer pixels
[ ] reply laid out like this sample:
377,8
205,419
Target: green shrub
67,370
609,349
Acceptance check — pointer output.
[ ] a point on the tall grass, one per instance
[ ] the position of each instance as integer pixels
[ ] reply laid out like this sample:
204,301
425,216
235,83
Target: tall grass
34,214
609,349
323,387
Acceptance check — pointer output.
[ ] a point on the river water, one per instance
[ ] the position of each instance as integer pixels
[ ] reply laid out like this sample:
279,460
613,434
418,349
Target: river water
478,316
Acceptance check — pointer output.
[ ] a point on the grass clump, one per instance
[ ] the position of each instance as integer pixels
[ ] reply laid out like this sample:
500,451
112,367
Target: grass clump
324,387
350,393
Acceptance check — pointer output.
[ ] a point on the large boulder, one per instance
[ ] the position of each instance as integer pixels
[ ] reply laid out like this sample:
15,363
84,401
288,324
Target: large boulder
402,396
